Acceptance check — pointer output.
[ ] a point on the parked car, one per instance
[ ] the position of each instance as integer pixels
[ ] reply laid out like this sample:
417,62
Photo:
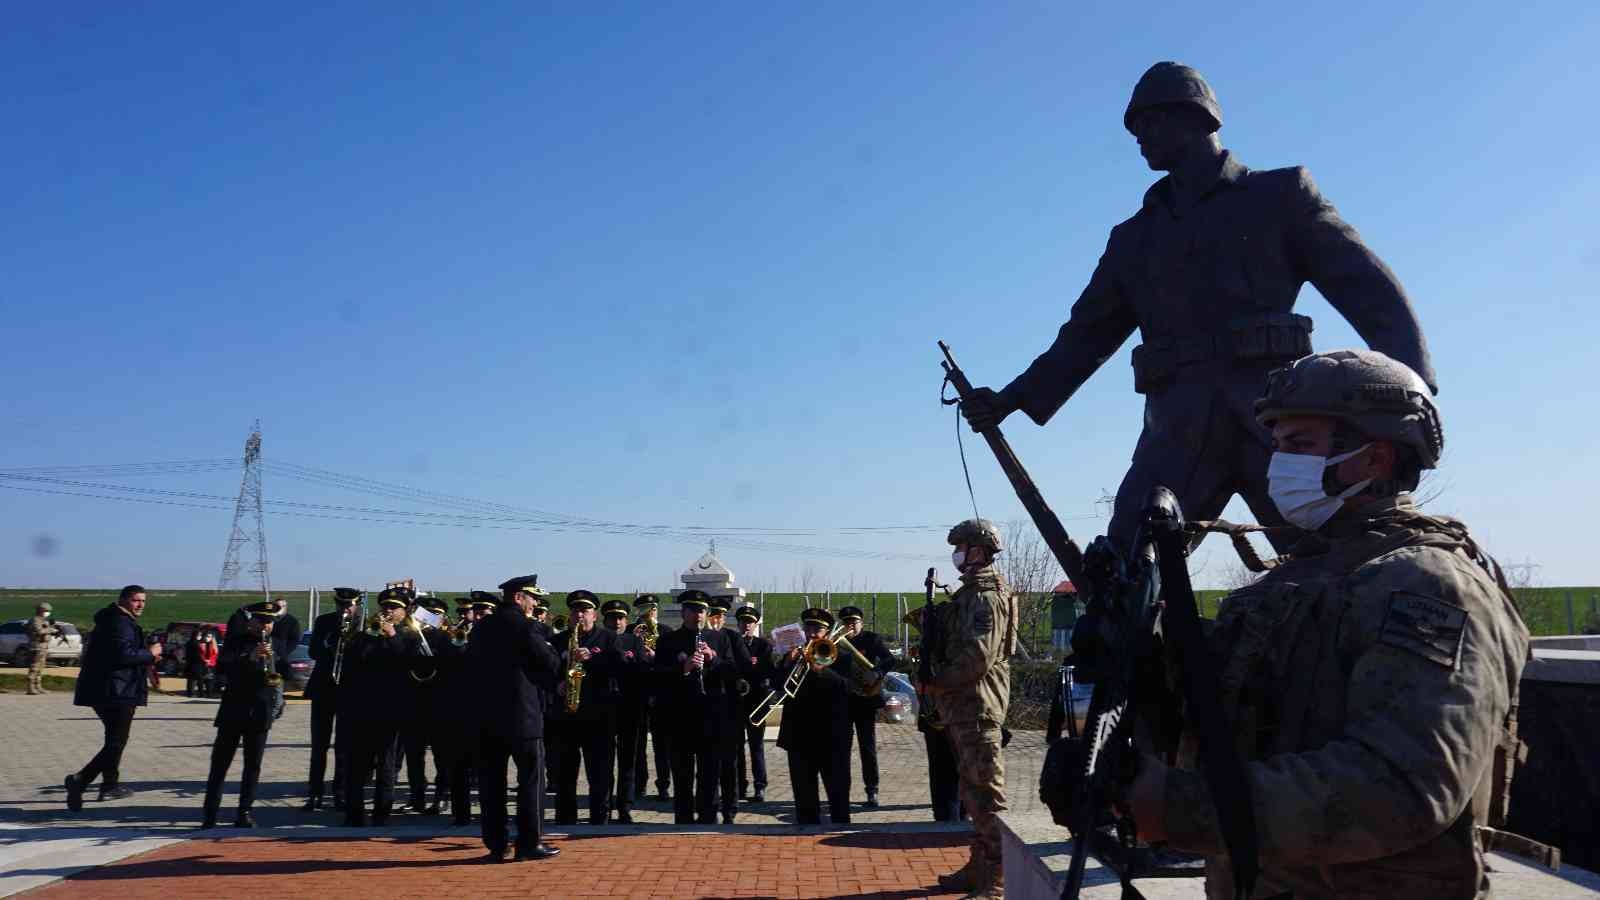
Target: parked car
175,643
16,649
300,665
899,700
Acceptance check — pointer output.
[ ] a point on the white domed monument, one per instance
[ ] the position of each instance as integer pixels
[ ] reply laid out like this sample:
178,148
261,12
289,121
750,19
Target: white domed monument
710,574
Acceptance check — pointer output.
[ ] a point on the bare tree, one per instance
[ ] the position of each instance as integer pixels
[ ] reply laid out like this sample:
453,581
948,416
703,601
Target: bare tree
808,578
1030,570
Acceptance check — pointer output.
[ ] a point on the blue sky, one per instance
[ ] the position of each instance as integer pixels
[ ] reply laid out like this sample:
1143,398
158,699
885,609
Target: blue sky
685,264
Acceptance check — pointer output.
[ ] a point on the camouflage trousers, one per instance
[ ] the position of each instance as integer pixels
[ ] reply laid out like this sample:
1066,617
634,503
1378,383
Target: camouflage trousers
983,786
36,663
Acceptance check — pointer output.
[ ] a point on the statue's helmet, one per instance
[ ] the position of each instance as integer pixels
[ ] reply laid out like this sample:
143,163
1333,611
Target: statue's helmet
1376,395
975,533
1168,83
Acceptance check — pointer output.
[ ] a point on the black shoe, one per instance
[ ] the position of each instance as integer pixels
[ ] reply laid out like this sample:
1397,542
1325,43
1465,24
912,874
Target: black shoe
312,804
872,799
727,818
74,786
460,821
537,852
245,820
338,802
759,796
432,810
354,822
493,856
663,796
409,807
379,821
209,822
744,792
624,817
114,792
562,821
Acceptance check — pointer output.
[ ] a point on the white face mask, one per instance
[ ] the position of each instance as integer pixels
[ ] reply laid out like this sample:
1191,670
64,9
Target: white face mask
959,558
1294,482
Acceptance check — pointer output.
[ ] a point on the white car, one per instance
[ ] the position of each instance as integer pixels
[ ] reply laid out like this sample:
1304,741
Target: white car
16,649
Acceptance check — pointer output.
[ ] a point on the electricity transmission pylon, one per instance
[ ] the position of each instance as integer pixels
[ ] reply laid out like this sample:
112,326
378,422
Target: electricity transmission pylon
249,501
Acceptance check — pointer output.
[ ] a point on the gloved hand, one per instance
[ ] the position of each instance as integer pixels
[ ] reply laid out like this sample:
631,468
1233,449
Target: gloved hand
984,408
1060,777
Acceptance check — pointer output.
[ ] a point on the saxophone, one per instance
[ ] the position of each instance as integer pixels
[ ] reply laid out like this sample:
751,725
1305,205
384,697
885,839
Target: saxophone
574,669
652,631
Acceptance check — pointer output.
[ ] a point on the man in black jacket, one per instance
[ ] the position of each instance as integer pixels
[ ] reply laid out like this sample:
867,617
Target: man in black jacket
815,730
730,754
374,683
248,708
326,633
755,736
653,727
591,729
512,670
633,666
864,710
695,678
112,682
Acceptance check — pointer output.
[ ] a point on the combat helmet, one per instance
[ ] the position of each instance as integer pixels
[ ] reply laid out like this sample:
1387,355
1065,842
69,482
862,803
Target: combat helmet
1170,82
975,532
1376,395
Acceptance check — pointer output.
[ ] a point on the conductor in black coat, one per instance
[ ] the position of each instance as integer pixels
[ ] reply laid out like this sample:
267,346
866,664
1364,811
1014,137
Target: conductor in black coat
323,693
761,681
590,731
816,730
245,715
695,679
513,670
864,710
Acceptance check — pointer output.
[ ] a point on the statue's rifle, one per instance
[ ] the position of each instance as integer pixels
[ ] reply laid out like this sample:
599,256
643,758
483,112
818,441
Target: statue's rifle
1044,518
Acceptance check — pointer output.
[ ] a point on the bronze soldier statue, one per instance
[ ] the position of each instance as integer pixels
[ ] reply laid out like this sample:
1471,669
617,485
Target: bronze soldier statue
1207,271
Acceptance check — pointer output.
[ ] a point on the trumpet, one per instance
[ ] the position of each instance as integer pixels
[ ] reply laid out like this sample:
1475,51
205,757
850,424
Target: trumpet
459,633
865,681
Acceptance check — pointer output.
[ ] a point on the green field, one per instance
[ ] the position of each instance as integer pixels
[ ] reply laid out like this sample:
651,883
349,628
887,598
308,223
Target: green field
1544,609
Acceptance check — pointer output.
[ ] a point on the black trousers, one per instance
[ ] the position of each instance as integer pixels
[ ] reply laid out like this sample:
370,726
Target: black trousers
833,768
492,756
118,721
323,710
594,739
630,730
695,767
372,749
454,756
416,739
655,725
864,722
755,738
229,738
944,778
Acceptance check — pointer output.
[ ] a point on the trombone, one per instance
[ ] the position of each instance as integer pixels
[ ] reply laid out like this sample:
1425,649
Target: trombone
820,651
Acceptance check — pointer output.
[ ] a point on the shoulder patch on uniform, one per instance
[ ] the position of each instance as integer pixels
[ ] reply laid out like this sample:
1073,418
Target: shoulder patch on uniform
982,618
1427,626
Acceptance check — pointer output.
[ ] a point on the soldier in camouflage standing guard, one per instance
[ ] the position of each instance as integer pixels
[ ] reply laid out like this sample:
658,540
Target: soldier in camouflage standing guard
972,689
40,631
1372,676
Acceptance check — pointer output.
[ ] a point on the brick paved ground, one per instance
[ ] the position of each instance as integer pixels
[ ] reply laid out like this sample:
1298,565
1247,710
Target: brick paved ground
166,762
641,865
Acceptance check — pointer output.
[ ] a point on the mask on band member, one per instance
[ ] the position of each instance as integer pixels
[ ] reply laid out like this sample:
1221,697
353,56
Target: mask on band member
958,558
1294,481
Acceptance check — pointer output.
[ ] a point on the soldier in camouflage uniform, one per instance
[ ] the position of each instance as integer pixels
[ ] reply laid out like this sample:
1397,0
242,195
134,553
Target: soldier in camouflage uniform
971,688
40,631
1372,678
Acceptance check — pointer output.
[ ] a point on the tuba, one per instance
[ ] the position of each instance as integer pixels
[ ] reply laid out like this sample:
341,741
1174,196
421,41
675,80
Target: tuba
574,670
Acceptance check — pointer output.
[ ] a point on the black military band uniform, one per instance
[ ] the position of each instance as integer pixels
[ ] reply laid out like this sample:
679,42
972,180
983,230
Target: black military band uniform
512,670
591,731
763,677
730,753
815,732
376,676
632,676
248,708
653,728
326,632
864,710
694,704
